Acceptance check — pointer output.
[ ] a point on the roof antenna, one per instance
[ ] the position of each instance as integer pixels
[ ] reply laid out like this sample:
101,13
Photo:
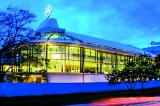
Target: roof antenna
48,11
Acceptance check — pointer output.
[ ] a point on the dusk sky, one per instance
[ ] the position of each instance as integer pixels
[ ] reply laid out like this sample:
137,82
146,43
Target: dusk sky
134,22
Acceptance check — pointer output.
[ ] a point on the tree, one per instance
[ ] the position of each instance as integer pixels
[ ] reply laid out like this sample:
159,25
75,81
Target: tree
136,70
157,62
146,69
14,32
33,56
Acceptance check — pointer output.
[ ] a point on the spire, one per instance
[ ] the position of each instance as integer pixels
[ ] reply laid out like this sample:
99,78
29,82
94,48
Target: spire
49,25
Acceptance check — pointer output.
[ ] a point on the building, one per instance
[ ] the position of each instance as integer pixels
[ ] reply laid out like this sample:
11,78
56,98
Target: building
64,56
153,49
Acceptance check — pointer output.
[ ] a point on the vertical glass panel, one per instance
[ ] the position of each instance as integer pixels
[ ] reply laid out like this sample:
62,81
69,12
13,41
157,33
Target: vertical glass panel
74,53
56,66
90,55
72,66
52,49
106,65
93,53
90,67
121,63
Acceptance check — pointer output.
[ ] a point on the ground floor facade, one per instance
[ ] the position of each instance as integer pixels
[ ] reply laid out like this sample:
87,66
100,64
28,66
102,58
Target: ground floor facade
71,59
62,58
52,58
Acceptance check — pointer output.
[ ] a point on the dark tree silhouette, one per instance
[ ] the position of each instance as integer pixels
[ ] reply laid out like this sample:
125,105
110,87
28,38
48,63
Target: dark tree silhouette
14,32
146,69
31,56
157,61
140,69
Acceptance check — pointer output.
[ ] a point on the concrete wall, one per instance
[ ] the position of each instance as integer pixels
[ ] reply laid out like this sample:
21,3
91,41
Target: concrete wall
75,78
26,89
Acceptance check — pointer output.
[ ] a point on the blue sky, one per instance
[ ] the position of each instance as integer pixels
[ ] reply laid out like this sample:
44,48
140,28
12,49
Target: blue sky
134,22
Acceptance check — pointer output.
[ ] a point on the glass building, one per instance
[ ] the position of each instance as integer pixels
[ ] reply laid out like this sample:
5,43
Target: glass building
63,52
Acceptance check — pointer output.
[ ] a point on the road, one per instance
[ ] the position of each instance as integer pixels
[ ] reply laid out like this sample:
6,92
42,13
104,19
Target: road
124,101
129,101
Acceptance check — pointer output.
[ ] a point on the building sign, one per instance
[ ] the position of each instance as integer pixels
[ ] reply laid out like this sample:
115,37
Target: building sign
48,10
155,43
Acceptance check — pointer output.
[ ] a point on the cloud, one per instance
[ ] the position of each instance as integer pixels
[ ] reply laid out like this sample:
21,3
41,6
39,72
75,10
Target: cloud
135,22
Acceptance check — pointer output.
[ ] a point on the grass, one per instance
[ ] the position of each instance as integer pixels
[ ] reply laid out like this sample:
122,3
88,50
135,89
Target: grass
79,98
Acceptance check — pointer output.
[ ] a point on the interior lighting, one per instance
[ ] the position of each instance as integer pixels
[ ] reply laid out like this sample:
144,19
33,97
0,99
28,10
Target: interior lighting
56,56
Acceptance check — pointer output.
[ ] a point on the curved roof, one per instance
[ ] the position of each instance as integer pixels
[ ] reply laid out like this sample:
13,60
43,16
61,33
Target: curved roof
51,25
107,44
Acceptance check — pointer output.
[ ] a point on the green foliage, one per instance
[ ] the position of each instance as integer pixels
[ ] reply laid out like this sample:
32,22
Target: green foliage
141,69
157,61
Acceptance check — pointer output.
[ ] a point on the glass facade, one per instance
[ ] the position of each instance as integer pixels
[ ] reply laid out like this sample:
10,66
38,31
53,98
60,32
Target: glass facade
35,61
68,59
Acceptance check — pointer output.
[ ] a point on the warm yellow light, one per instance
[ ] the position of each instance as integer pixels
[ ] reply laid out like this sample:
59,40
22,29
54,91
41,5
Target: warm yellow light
47,43
56,56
